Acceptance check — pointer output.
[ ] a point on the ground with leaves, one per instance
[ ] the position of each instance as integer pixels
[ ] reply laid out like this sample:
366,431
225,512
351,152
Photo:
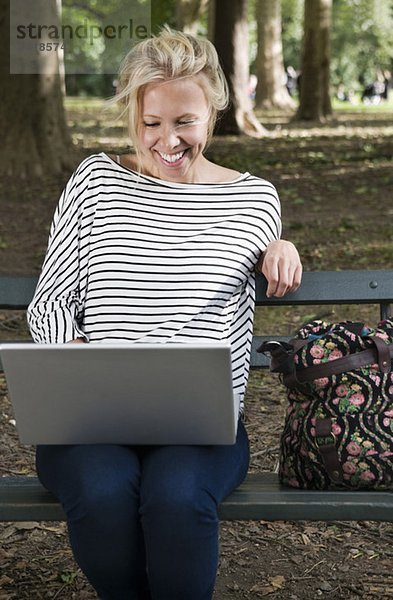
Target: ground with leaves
335,183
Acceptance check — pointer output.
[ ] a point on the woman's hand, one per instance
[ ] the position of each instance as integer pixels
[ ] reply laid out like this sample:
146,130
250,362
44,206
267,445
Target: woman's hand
280,264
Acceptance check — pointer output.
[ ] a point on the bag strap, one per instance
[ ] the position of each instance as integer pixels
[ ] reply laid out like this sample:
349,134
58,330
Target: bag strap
381,353
326,442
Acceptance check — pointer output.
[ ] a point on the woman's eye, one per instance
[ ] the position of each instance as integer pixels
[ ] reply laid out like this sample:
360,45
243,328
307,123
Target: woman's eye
151,124
182,123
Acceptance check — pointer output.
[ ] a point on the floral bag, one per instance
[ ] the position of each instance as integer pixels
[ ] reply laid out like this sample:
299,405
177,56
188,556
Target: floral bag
338,427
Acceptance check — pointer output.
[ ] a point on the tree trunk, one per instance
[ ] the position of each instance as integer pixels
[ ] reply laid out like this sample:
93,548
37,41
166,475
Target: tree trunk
188,13
211,19
231,41
35,140
271,91
315,104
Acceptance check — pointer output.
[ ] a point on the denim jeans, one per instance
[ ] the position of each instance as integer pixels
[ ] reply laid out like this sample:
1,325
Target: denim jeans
143,521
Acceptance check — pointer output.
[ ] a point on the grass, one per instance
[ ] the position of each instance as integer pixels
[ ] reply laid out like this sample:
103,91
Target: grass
358,106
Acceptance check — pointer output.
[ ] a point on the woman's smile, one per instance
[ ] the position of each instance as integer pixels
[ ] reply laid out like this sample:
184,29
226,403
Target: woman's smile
172,160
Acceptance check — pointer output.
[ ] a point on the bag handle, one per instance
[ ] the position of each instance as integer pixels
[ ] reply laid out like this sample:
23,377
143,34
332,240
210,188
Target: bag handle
282,352
381,353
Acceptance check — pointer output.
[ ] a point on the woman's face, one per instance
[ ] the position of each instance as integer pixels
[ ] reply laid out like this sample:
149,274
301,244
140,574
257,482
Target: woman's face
173,129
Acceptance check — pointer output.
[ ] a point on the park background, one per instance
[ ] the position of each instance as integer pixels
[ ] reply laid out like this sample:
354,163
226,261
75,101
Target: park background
324,139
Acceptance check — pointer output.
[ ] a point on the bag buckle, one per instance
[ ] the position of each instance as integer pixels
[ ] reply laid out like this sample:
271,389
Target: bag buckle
325,440
281,356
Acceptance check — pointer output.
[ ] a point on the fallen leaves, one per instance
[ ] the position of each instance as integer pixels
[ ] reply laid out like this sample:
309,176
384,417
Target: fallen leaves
270,587
23,526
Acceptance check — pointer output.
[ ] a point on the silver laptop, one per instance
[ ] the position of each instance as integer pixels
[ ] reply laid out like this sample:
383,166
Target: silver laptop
121,394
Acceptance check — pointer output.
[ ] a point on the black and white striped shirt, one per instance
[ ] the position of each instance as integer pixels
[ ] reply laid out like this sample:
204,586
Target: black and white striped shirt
135,258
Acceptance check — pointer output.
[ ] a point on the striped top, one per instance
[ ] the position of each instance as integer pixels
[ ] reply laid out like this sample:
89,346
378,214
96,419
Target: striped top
135,258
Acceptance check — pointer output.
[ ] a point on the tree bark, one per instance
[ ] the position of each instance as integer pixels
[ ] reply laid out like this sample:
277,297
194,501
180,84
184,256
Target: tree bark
315,104
35,139
231,41
271,91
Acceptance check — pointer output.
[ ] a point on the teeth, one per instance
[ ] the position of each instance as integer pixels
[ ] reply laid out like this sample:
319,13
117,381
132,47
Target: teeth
172,157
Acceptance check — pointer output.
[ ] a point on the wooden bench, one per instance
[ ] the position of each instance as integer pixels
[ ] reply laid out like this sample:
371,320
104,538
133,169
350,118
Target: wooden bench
260,496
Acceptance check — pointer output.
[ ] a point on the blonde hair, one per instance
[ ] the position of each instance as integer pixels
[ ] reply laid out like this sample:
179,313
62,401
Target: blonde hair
170,55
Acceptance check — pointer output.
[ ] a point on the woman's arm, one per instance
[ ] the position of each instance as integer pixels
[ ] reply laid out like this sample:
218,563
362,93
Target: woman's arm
280,264
55,310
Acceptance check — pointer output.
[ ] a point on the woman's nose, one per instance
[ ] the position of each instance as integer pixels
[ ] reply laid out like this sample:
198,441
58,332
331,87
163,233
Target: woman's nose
170,137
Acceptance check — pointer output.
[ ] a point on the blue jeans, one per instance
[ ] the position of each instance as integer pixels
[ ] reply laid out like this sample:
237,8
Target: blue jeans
143,521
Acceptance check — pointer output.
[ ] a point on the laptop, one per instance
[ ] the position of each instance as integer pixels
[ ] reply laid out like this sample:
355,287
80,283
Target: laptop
133,394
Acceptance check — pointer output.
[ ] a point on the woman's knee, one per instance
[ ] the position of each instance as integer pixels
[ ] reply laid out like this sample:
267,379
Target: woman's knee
181,502
101,500
90,481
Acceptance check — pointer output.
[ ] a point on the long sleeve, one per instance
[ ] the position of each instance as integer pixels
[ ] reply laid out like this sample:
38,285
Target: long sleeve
57,307
135,259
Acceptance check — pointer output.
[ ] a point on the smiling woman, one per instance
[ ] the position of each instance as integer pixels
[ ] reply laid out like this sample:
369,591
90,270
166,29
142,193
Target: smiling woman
172,92
157,246
173,132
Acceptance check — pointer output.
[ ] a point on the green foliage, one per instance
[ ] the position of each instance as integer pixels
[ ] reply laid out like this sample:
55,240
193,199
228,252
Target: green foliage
92,60
68,577
362,43
162,11
292,31
84,57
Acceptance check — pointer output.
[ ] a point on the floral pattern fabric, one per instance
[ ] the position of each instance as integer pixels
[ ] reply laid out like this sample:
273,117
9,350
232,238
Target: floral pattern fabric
359,404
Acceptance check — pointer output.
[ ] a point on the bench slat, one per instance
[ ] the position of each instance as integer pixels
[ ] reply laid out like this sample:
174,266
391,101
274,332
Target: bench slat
16,292
260,497
334,287
318,287
25,499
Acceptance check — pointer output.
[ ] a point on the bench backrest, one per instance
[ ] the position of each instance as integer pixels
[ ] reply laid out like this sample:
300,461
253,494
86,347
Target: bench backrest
318,288
329,287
